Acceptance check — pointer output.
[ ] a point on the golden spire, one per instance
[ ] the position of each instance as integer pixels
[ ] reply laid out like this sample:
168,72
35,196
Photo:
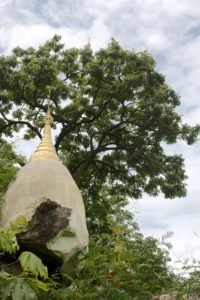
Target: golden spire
88,45
45,149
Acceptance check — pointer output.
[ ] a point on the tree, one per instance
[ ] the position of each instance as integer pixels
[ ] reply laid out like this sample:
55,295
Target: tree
113,113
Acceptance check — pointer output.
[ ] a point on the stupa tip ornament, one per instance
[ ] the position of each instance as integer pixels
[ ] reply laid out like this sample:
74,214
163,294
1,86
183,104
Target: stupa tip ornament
45,149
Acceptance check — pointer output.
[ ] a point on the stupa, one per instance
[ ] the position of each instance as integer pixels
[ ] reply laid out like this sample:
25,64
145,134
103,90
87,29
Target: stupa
46,195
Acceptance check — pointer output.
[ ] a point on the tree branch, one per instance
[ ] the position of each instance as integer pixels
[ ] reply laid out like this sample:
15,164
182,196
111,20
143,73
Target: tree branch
18,122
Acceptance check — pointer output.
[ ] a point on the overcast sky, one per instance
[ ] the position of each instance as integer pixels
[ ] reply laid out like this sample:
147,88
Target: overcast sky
170,31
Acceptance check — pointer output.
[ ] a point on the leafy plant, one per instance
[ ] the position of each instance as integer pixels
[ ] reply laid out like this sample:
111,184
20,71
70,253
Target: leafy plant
21,288
24,286
8,241
122,264
31,263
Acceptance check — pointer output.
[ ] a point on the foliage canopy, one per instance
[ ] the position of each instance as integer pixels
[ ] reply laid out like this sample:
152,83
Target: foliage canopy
112,110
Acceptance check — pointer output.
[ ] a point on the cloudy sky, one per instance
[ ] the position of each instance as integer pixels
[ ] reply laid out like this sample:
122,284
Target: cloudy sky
170,30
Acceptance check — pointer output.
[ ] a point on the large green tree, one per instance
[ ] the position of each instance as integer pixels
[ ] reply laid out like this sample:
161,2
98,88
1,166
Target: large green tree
113,113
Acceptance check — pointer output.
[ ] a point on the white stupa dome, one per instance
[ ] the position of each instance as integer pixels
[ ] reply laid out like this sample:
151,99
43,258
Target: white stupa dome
44,179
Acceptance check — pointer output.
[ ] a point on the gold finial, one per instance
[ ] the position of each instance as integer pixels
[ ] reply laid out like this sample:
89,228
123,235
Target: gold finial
88,45
45,149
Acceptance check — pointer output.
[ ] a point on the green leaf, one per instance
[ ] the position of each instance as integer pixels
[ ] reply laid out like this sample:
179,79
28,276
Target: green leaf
23,291
18,289
8,241
4,274
31,263
37,284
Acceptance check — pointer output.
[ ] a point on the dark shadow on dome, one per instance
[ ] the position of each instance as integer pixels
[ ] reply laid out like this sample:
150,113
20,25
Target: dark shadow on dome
48,220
